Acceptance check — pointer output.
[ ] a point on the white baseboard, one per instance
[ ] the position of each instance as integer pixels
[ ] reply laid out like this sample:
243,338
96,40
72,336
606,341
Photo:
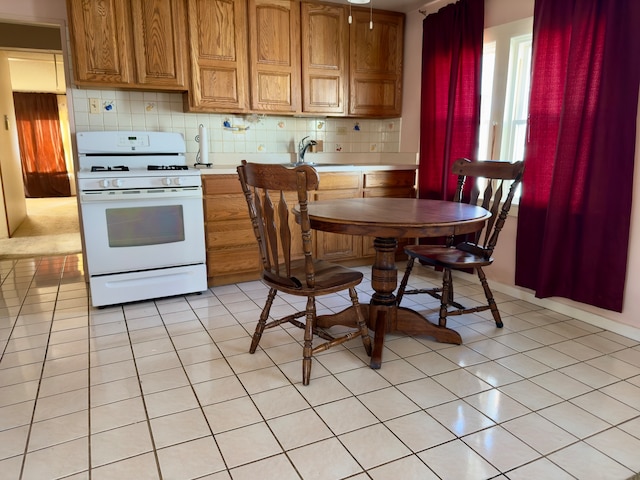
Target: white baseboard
571,311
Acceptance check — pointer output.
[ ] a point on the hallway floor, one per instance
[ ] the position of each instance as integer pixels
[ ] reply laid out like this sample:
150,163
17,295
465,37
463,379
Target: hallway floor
166,389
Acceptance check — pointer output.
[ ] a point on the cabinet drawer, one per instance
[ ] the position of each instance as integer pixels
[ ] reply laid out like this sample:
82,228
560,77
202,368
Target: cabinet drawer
221,184
225,207
391,192
237,260
230,234
339,180
392,178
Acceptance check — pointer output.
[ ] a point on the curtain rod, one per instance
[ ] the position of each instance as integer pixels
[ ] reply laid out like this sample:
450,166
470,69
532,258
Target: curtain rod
423,10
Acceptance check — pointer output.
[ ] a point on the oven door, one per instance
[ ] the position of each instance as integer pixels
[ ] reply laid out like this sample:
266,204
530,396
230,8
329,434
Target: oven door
128,231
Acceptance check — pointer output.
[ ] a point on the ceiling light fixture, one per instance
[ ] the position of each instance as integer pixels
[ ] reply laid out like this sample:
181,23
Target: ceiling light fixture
362,2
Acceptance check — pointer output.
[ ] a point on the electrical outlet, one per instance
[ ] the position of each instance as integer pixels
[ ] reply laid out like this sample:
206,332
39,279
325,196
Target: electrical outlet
94,105
341,130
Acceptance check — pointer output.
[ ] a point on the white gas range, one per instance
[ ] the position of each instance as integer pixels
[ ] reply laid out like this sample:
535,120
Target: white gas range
142,216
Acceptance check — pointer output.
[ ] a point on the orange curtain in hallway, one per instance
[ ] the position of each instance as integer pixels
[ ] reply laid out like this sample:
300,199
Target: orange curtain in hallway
44,171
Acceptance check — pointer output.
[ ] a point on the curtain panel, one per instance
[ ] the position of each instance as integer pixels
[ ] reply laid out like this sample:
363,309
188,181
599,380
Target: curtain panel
450,102
44,171
575,209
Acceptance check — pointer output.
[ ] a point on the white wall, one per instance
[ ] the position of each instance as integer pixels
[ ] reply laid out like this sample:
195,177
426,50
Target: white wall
34,10
502,272
37,72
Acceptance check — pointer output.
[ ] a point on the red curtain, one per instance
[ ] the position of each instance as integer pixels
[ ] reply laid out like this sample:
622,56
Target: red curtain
450,109
44,171
574,216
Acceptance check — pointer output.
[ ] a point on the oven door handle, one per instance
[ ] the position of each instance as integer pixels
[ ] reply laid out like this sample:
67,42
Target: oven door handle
90,196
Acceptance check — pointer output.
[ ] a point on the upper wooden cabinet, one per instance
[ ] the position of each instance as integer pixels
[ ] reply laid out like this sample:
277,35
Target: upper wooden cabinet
128,43
351,69
274,55
219,62
325,58
375,73
264,56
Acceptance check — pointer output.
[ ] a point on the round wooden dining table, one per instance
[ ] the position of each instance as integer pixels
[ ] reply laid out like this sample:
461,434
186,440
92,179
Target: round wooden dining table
388,219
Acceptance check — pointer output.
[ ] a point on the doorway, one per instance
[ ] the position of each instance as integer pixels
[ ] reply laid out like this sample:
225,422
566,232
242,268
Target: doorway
41,71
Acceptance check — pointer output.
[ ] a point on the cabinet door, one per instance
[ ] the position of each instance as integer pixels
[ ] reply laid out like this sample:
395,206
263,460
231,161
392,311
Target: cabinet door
389,184
375,73
325,50
159,43
337,246
274,51
217,34
101,42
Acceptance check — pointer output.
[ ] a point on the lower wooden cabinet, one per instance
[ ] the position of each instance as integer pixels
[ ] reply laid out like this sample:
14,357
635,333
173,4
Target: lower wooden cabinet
337,246
232,251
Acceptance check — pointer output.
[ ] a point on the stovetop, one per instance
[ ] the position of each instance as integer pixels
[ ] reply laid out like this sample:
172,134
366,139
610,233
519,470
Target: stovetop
133,160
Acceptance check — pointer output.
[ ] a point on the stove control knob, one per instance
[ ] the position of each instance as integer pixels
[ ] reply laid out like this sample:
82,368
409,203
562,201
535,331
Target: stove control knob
177,181
104,183
166,181
117,182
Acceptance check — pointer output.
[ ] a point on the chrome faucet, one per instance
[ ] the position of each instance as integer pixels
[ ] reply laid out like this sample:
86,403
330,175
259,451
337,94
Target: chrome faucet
303,147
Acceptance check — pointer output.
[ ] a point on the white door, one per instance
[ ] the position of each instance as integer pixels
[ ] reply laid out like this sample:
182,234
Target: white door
13,207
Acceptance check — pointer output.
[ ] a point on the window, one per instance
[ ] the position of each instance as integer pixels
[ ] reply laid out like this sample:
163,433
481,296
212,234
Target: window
506,74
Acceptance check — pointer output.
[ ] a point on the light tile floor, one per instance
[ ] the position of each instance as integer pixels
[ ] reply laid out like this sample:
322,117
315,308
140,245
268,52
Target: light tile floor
166,389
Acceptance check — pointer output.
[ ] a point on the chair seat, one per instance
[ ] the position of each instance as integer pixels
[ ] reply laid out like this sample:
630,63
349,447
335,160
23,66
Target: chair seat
329,278
450,257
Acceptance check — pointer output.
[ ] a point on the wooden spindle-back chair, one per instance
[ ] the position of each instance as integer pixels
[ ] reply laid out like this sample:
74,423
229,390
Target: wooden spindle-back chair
501,180
268,190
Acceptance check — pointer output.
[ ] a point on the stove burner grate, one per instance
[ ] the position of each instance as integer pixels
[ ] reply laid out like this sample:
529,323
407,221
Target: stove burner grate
118,168
167,167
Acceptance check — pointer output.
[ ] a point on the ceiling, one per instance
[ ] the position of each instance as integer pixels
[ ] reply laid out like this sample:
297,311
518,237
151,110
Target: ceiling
394,5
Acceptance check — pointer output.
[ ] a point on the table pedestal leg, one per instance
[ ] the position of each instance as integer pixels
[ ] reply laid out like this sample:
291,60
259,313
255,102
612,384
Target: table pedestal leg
384,315
382,308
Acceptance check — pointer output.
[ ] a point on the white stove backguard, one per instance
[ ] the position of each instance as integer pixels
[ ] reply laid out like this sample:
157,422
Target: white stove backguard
130,143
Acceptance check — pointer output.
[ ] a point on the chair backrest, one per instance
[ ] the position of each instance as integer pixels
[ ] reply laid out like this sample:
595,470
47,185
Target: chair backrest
496,196
266,188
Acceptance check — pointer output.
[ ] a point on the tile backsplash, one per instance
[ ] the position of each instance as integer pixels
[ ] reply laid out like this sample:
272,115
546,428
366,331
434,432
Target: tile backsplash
229,133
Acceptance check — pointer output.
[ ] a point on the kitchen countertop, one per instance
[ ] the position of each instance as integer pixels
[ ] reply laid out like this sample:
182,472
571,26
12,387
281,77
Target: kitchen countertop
323,162
231,169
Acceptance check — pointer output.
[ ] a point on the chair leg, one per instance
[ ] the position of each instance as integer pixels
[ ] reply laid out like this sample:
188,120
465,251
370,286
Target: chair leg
257,335
308,340
444,300
362,324
489,294
405,280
